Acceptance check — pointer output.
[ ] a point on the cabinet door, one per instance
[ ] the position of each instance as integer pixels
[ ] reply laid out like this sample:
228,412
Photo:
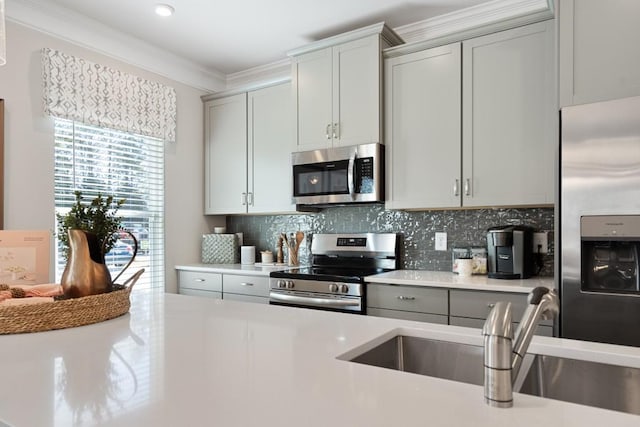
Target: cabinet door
356,92
510,128
599,57
423,129
312,83
271,142
226,155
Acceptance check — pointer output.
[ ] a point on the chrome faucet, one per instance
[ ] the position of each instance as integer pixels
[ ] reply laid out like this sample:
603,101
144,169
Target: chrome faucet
502,354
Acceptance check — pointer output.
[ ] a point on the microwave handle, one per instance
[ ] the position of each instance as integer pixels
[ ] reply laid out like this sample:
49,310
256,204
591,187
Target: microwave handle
351,176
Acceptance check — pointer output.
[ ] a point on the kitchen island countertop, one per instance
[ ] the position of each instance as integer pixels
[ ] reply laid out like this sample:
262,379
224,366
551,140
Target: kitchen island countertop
182,360
446,279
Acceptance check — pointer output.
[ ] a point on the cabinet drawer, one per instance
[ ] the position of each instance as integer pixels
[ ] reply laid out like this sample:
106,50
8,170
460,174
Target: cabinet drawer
200,280
245,298
408,315
246,285
543,330
478,304
408,298
200,293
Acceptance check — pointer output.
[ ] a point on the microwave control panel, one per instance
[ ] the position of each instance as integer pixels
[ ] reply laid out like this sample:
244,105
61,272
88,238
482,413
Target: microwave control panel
364,175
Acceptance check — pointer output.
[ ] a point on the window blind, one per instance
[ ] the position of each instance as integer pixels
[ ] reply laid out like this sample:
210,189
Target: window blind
95,160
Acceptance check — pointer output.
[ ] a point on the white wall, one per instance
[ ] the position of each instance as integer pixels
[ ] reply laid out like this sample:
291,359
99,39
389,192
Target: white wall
29,150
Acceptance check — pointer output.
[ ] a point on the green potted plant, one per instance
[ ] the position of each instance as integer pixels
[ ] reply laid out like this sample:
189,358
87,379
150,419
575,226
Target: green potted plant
98,217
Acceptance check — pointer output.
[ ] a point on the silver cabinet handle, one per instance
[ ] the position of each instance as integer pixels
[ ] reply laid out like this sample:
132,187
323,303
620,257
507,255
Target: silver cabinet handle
198,280
336,130
403,298
467,187
250,199
456,188
244,199
326,132
246,284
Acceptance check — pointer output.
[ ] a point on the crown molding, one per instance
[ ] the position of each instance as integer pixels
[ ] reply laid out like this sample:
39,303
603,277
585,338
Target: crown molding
267,75
77,29
484,18
380,28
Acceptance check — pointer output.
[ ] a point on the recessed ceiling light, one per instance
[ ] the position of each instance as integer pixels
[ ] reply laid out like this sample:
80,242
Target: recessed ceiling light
164,10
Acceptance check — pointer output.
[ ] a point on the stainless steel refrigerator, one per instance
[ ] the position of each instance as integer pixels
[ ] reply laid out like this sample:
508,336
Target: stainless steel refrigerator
600,222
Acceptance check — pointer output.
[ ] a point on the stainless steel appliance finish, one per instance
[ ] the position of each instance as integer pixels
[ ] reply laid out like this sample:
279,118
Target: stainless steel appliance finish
341,175
599,209
335,280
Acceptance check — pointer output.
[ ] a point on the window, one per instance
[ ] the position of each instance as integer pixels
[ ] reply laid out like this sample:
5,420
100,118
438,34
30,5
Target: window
95,160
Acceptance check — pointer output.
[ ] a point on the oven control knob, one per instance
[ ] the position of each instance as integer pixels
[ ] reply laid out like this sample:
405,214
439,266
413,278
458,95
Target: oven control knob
281,284
333,287
344,288
290,284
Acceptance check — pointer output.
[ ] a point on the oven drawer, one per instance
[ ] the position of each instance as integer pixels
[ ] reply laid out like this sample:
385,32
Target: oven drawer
199,280
246,285
408,298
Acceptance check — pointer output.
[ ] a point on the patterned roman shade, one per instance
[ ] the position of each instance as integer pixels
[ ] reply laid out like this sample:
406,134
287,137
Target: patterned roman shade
90,93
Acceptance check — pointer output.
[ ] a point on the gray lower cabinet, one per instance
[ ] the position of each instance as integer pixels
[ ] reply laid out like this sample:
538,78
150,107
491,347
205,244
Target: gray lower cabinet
200,284
471,308
445,306
246,288
408,302
544,330
224,286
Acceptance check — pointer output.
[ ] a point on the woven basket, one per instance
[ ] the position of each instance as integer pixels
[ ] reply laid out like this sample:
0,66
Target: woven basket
69,313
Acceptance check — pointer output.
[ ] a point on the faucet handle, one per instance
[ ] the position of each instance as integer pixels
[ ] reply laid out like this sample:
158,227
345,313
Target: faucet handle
535,296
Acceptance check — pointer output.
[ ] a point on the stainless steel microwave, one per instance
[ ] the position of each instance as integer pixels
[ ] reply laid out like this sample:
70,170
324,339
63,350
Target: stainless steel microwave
340,175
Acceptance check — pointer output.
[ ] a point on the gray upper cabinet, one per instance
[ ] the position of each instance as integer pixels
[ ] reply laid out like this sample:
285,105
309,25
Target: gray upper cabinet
473,124
249,139
338,88
599,56
509,118
423,122
225,155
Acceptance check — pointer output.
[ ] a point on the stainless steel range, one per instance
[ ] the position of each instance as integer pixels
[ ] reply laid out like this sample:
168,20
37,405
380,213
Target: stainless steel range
336,279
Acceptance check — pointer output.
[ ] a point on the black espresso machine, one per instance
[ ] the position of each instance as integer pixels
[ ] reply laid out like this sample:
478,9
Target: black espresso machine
510,252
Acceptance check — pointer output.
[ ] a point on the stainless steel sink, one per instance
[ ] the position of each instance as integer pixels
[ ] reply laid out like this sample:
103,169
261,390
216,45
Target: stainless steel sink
577,381
587,383
442,359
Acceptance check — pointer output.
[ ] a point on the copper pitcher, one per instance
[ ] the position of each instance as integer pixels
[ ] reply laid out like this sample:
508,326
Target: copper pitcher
86,272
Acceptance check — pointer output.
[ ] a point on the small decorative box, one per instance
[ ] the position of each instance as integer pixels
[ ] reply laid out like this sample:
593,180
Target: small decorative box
220,249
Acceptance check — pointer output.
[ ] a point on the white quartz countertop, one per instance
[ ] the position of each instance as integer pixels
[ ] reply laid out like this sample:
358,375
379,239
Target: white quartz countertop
445,279
178,360
257,269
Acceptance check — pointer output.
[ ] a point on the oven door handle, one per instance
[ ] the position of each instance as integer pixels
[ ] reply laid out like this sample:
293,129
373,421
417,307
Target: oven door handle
351,175
320,302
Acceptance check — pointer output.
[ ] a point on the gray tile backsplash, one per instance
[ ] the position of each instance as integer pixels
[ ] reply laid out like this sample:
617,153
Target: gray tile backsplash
463,228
